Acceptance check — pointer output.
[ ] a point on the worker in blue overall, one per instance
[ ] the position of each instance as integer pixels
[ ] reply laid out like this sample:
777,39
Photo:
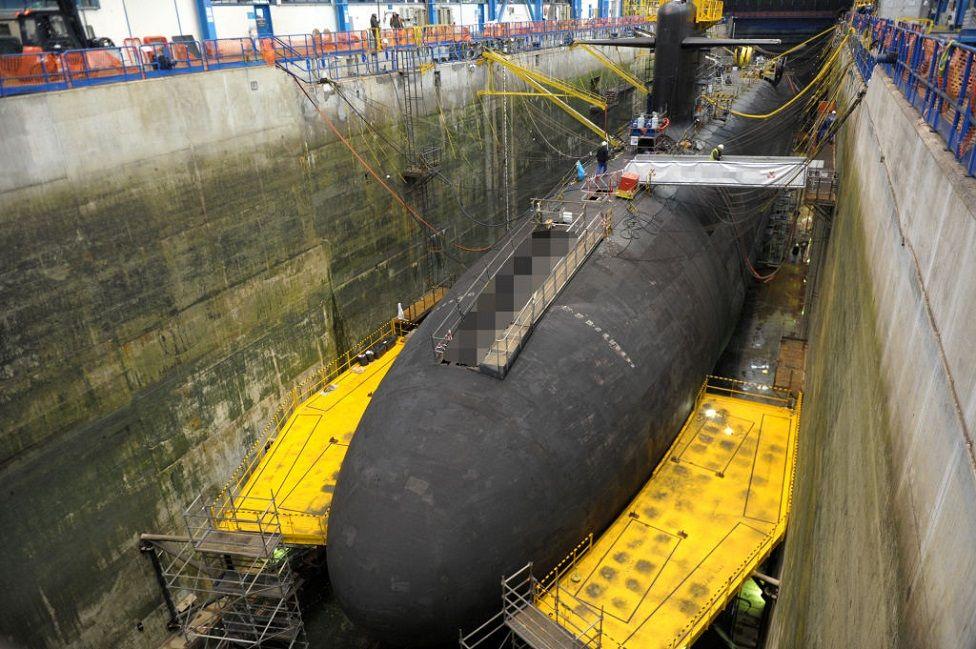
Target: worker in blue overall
602,156
826,126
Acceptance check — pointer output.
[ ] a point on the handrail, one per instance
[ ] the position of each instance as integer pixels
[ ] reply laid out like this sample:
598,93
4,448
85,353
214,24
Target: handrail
467,298
936,76
503,350
350,53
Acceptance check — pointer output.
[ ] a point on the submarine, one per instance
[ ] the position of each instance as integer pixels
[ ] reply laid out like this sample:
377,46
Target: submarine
456,477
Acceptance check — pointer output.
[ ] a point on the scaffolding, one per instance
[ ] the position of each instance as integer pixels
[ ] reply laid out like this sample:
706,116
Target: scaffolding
225,587
780,228
542,614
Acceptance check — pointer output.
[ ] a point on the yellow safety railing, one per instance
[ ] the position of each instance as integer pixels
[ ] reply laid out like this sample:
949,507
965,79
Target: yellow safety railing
709,11
227,497
644,8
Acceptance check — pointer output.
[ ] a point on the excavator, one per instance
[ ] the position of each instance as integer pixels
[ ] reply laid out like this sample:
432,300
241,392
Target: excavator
48,28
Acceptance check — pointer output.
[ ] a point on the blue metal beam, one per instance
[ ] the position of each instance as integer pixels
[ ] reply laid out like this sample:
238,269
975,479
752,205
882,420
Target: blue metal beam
431,12
576,9
342,16
602,7
500,10
205,17
535,9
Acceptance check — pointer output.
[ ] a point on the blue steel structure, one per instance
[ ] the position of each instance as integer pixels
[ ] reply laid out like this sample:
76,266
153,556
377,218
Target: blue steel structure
925,68
208,30
342,16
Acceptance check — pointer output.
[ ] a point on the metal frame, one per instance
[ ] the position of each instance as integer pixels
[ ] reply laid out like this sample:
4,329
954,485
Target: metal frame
312,57
937,77
225,587
573,622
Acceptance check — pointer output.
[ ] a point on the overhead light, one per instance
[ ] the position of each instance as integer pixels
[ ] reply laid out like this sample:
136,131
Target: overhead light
710,413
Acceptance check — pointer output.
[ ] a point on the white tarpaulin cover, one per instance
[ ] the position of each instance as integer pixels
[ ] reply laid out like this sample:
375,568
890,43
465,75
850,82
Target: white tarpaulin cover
730,171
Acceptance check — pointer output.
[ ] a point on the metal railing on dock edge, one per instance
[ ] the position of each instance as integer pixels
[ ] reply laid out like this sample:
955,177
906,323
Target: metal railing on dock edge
936,76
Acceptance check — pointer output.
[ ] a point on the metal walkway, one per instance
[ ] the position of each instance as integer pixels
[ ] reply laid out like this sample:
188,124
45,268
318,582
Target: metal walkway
713,510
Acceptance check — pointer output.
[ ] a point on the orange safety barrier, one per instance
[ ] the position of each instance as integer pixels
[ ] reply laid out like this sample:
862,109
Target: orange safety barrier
268,51
230,50
93,64
31,68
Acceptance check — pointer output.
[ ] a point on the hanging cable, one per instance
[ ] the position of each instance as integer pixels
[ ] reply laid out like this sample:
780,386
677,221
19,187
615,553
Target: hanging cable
796,97
396,196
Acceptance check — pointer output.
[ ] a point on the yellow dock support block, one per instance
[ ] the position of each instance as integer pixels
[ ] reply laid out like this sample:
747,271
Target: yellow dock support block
301,467
712,511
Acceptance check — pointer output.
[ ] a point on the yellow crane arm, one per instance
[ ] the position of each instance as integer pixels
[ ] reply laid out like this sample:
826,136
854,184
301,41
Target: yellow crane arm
543,91
616,69
525,74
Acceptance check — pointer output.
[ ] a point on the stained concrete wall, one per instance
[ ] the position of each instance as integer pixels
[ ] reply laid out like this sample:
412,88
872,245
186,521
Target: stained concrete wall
880,547
177,253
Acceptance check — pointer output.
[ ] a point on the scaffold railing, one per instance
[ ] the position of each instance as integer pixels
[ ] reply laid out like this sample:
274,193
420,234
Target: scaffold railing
590,230
229,587
332,55
936,76
542,614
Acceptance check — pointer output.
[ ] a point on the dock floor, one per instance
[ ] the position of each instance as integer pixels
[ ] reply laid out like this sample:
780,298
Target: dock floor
301,468
712,511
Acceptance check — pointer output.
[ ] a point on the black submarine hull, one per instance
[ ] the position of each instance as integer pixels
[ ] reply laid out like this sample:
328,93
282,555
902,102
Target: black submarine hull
454,478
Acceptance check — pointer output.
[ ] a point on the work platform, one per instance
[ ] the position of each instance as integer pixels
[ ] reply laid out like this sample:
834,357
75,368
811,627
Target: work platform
298,472
713,510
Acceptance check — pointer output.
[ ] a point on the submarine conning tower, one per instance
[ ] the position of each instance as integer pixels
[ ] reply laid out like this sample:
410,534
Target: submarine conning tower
674,66
677,46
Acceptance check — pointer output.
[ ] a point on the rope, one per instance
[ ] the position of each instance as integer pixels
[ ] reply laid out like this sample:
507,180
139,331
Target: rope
396,196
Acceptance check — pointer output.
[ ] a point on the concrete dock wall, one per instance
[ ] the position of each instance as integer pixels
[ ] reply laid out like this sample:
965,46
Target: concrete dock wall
880,548
176,254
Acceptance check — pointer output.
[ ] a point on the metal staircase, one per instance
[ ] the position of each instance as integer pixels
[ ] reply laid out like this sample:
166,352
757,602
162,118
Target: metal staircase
539,616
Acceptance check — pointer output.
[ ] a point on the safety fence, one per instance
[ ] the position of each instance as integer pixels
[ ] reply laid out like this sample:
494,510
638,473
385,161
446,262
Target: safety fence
333,55
938,77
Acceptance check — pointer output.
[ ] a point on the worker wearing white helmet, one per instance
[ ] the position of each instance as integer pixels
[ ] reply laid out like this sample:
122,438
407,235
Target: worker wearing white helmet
717,152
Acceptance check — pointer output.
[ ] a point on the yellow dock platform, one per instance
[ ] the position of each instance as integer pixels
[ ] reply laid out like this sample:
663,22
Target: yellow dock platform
712,511
290,485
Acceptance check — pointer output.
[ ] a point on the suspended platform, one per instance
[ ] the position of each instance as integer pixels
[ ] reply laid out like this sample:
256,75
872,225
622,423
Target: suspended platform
713,510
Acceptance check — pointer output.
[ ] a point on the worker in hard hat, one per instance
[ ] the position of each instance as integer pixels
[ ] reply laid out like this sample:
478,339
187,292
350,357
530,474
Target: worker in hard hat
717,152
826,126
602,156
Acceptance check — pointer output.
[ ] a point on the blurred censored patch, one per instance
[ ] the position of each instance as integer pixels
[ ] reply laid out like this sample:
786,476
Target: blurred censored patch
506,294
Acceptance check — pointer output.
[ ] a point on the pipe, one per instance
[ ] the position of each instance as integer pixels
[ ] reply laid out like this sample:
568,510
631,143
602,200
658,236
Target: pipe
146,547
772,581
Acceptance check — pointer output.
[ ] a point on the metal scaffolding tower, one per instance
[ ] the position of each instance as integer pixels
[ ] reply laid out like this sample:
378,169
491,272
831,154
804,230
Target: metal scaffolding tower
229,583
